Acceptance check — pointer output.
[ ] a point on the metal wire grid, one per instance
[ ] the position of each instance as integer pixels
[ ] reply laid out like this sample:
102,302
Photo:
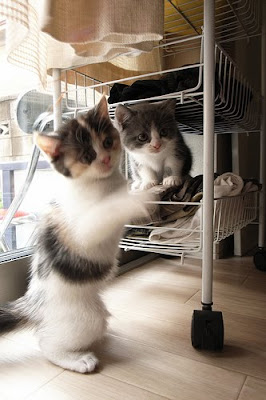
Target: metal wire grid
167,249
233,213
236,104
80,91
230,215
234,19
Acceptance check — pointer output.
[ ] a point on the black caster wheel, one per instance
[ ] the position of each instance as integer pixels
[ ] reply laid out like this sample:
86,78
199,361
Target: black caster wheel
260,259
207,330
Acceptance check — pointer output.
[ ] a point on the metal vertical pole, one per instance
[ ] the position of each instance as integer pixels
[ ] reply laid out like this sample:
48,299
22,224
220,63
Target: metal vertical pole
57,98
208,152
262,213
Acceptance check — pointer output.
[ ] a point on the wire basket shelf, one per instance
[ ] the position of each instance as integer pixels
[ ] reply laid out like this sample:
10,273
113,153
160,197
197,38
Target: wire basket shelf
230,215
183,22
237,105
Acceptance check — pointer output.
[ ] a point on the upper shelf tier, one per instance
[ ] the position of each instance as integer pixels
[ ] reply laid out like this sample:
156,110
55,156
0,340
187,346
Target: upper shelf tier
183,22
236,103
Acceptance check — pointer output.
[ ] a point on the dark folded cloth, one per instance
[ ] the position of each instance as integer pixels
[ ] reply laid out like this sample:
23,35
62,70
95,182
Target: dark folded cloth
177,81
137,233
116,93
138,90
190,190
251,185
171,82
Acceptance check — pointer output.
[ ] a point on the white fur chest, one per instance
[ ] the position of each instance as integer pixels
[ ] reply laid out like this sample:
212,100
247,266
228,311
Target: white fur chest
89,225
77,197
154,161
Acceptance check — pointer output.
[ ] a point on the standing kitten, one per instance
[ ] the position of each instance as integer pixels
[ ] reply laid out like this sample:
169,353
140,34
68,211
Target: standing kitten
158,153
77,242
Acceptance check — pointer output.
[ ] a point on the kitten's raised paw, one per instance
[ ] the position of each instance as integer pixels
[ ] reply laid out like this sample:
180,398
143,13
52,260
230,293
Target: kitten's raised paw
148,185
173,180
85,364
135,185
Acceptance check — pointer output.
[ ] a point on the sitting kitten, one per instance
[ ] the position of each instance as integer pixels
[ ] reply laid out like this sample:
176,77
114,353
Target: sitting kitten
77,242
158,153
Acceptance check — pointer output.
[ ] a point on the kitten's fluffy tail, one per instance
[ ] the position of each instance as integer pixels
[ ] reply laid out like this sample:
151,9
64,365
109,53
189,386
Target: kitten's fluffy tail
12,316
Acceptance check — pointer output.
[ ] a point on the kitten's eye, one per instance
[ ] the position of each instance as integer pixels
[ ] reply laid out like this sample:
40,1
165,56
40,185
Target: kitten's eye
108,142
163,133
143,137
87,158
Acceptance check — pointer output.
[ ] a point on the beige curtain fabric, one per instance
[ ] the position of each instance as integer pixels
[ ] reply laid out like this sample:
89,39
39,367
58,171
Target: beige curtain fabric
119,22
25,44
44,34
145,62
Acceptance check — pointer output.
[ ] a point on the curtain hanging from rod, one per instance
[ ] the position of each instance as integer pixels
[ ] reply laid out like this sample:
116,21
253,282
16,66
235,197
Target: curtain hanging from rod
45,34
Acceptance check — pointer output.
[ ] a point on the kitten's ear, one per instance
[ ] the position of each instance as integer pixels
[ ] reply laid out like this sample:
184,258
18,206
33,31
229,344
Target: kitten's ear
50,145
170,104
123,113
102,108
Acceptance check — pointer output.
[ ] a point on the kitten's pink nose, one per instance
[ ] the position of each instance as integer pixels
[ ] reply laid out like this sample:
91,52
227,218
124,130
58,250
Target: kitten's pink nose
157,145
106,160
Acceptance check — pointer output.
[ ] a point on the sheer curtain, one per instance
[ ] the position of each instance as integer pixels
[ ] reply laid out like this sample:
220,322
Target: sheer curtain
45,34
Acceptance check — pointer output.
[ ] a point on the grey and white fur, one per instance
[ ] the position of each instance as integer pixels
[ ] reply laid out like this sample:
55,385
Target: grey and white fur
157,150
77,242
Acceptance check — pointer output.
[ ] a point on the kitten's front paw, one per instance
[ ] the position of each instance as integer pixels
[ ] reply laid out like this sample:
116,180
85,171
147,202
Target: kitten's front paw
135,185
173,180
148,184
141,206
85,364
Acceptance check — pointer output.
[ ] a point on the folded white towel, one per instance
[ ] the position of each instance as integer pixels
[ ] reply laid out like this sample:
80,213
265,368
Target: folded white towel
183,230
228,184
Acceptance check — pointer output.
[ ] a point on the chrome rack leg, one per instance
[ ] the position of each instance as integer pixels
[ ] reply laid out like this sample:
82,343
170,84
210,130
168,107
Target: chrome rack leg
260,256
207,326
57,104
208,155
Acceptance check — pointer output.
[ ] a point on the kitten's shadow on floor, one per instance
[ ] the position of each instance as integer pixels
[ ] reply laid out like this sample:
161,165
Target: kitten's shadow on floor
105,351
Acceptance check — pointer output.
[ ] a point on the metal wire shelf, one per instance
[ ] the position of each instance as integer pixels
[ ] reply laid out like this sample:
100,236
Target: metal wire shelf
237,105
234,20
230,215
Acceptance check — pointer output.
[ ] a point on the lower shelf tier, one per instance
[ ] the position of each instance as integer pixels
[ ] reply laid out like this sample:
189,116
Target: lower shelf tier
184,236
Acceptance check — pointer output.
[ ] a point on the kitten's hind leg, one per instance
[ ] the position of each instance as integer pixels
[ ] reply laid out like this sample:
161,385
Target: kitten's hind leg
83,362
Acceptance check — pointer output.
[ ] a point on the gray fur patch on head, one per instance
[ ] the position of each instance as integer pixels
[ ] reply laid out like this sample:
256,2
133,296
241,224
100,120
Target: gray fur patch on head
144,126
139,119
